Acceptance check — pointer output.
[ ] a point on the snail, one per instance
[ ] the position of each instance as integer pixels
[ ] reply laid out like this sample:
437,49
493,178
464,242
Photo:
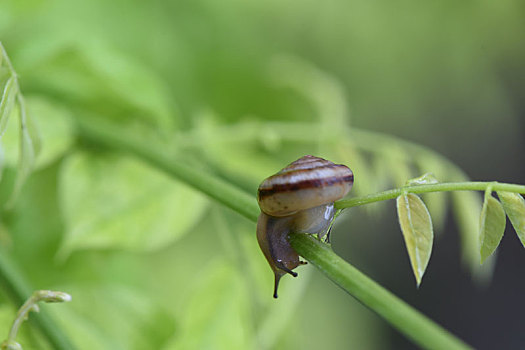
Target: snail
298,199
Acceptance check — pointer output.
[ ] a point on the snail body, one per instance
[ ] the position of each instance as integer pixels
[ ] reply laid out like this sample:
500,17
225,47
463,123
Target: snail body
298,199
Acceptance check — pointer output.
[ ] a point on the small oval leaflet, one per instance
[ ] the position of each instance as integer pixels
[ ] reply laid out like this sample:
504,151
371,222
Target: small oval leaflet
492,226
7,103
416,226
514,206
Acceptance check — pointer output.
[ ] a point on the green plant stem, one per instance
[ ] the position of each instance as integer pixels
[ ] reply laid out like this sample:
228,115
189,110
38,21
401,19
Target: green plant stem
47,296
400,315
11,279
440,187
18,290
408,320
101,132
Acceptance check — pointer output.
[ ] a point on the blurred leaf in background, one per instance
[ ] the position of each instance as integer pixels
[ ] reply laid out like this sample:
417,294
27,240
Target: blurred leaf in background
117,202
244,88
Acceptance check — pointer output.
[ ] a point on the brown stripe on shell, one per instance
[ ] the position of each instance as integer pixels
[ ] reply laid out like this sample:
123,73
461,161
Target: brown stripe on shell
309,181
306,162
329,181
289,170
291,175
306,168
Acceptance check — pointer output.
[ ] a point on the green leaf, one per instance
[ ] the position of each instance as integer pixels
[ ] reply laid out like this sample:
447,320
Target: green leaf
467,212
111,201
5,74
29,141
514,206
50,125
105,79
347,153
397,165
216,314
323,90
114,317
492,226
7,103
55,132
416,226
436,202
134,83
437,206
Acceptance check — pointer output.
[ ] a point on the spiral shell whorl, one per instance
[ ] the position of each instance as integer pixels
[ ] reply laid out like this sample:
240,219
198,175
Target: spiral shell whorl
306,183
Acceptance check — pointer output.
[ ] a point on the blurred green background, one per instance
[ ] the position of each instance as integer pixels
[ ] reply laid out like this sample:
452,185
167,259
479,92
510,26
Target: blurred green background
234,87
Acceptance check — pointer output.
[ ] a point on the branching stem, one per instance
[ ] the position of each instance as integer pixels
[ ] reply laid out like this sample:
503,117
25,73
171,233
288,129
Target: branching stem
47,296
395,311
439,187
16,287
400,315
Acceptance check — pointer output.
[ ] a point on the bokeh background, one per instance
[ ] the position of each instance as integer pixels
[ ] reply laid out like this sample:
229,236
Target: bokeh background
232,87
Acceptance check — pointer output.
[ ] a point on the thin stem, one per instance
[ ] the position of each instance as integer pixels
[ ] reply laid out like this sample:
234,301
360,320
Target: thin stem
47,296
440,187
17,288
12,280
406,319
395,311
100,131
29,305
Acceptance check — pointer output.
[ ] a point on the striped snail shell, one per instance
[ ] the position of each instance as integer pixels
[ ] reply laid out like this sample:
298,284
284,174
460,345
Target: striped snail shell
298,199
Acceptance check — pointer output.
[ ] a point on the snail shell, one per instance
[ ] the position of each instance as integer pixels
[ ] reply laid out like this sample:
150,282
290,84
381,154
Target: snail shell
298,199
